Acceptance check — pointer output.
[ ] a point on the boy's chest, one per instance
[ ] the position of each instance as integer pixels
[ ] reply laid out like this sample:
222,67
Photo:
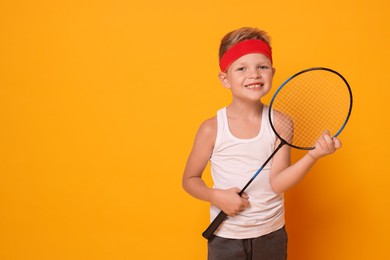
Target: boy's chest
244,129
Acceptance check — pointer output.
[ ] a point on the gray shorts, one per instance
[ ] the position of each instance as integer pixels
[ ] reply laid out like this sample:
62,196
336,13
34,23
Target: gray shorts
272,246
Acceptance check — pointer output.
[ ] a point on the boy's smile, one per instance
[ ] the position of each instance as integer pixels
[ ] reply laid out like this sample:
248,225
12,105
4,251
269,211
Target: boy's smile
254,85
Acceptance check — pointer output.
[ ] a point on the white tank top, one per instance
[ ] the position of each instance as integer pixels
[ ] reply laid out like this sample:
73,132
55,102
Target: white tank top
233,163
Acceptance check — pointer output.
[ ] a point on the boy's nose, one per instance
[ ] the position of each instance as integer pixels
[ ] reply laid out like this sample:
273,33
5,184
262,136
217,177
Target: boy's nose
255,74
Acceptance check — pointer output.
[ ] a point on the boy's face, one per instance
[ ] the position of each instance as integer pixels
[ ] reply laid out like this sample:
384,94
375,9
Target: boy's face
249,77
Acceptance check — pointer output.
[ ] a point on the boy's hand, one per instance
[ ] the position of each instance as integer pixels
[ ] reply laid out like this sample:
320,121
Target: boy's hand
229,201
325,145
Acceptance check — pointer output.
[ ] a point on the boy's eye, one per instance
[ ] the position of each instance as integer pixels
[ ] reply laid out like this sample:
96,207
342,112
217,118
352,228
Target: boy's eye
241,68
263,67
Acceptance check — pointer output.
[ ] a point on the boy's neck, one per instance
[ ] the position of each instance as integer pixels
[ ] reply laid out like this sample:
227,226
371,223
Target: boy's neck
245,110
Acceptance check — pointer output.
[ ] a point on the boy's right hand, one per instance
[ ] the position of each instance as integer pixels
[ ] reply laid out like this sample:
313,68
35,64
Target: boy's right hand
229,201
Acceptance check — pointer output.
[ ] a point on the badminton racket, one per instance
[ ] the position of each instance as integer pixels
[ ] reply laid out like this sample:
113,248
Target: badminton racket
303,107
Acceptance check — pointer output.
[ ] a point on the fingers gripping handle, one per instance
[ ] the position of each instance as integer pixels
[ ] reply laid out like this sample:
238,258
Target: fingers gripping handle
209,232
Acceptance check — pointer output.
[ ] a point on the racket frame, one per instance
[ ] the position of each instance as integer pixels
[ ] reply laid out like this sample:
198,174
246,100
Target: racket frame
294,76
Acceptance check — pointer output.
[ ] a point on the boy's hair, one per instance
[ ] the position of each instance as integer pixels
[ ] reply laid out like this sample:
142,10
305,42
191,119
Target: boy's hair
242,34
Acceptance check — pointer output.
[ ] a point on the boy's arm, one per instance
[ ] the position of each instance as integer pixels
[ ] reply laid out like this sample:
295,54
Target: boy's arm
200,154
284,177
227,200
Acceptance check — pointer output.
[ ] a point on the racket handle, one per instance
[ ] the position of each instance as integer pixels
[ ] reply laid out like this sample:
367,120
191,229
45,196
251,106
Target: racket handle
209,232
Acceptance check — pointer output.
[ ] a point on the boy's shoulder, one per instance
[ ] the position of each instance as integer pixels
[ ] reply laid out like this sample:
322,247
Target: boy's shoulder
209,126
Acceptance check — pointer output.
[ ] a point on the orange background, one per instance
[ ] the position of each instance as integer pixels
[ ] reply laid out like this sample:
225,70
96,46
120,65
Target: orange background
100,102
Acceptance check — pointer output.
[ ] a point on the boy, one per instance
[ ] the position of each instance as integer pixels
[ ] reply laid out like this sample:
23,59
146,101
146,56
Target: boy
237,141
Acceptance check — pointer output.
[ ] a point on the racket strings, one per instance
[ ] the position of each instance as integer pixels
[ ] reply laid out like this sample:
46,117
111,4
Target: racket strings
309,104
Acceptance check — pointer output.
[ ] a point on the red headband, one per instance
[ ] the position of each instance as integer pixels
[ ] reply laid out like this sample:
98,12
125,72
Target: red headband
243,48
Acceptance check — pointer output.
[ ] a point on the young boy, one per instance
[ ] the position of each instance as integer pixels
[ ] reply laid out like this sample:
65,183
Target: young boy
237,141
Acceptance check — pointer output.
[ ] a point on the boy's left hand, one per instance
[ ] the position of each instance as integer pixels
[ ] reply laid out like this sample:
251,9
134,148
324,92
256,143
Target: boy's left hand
325,145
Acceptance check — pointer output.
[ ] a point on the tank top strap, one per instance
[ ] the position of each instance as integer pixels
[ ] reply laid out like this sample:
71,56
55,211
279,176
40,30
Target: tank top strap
221,125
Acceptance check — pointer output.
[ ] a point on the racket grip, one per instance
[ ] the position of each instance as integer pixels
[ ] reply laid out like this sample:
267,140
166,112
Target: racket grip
209,232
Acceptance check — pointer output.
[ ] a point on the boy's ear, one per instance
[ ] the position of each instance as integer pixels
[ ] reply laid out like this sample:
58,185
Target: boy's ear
224,80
